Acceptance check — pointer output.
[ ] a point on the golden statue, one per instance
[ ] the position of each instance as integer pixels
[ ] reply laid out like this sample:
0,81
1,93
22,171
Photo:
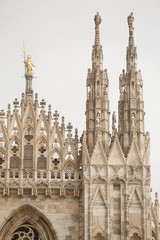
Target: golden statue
29,66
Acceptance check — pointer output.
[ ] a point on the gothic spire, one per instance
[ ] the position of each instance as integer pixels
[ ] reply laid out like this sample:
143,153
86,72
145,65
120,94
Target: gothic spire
97,52
131,28
131,49
97,105
98,21
131,105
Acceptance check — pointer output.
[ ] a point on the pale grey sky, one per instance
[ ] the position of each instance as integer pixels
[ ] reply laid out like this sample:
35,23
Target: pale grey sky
59,35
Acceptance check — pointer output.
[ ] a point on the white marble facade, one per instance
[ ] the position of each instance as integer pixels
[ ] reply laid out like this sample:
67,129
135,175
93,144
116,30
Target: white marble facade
57,186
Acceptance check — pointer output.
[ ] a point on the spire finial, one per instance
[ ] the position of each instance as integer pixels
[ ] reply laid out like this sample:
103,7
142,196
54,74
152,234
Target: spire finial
131,28
29,66
28,74
97,20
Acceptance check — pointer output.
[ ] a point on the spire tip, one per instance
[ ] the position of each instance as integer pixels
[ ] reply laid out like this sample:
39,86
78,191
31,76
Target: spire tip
130,21
98,21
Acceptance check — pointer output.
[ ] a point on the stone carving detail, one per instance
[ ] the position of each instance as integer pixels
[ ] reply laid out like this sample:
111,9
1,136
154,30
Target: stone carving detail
116,169
133,120
20,192
98,118
98,180
62,192
6,192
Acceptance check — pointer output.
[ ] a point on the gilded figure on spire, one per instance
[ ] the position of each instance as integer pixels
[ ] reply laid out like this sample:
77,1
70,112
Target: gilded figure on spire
29,66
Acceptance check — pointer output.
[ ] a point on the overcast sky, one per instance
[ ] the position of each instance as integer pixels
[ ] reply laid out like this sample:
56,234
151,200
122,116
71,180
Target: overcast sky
59,35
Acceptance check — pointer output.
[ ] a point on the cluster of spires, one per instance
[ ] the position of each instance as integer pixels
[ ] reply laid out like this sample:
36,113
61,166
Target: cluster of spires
130,106
97,106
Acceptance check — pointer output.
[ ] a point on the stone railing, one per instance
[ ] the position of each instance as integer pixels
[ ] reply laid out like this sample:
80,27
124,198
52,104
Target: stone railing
49,175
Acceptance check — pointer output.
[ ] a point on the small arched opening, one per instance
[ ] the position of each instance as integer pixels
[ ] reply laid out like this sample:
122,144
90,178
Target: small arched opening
135,237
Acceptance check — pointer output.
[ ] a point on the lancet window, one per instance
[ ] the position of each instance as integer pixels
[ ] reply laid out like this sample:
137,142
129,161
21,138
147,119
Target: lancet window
55,173
14,159
42,158
28,150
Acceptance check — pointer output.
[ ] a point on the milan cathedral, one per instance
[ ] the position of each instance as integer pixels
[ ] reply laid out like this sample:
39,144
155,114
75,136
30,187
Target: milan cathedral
57,186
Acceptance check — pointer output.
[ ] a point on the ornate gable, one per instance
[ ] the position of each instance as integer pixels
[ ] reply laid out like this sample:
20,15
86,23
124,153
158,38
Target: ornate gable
116,156
98,156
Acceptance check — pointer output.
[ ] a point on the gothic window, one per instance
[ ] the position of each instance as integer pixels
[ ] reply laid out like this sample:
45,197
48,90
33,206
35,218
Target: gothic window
28,156
29,224
42,160
116,209
66,175
52,175
55,174
15,160
41,174
72,175
28,150
42,163
58,175
26,232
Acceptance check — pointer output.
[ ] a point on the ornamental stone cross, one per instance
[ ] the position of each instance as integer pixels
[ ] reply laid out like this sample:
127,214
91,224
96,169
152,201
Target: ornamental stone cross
56,116
69,127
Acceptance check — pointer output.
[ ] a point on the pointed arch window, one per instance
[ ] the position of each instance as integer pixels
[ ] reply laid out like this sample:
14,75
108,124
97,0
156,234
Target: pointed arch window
28,150
15,160
31,224
42,152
